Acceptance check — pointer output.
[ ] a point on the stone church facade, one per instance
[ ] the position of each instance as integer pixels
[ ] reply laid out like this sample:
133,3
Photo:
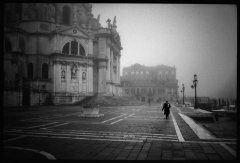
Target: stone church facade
59,50
156,84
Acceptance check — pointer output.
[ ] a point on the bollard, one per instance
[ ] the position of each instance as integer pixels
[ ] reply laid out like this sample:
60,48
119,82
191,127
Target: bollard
216,116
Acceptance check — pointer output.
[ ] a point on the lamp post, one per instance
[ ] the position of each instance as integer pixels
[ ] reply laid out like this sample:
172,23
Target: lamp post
195,82
183,88
20,87
8,83
39,92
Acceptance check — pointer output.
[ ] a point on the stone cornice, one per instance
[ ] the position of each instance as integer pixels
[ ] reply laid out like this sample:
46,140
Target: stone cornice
102,66
70,56
101,59
71,63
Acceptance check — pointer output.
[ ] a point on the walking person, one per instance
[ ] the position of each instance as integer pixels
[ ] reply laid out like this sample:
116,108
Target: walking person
166,108
149,101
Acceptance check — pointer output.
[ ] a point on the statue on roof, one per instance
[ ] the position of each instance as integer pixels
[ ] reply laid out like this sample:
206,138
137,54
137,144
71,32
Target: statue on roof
98,18
109,23
114,21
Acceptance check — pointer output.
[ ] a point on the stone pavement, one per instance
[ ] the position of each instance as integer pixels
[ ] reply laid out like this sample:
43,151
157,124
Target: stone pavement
124,143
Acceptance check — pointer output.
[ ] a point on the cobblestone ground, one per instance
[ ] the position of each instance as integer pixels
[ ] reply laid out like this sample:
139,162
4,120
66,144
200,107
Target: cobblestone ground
123,133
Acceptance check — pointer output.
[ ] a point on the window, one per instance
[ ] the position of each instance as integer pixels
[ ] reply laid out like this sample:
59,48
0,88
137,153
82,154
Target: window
133,90
126,91
159,91
66,48
7,45
74,48
66,15
30,71
45,71
149,91
132,75
143,91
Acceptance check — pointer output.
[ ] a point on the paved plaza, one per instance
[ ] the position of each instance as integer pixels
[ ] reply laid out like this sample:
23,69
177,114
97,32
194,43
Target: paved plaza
123,133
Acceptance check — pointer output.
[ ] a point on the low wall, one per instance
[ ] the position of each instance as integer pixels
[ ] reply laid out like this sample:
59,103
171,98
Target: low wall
42,98
66,99
11,98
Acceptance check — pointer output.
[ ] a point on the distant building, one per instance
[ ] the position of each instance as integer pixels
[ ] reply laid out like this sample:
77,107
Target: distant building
156,83
61,51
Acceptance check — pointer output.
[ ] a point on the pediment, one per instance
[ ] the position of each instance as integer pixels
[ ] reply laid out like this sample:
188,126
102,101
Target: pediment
75,31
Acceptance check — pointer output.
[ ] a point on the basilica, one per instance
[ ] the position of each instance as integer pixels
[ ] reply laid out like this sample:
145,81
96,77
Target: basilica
58,53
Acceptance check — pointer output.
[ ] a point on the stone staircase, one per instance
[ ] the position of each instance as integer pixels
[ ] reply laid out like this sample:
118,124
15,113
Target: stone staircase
110,101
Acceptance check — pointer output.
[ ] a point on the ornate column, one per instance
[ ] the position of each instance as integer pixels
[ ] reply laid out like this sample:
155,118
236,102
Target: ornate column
109,60
111,67
80,79
68,77
102,77
90,78
57,71
84,79
118,69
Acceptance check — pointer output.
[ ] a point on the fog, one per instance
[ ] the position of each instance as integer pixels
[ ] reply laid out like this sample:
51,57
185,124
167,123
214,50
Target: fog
195,38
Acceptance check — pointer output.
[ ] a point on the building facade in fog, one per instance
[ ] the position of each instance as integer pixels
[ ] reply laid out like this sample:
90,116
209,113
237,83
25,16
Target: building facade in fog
61,50
156,83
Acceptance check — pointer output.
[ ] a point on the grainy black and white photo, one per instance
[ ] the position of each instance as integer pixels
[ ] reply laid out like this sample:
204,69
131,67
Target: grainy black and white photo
119,81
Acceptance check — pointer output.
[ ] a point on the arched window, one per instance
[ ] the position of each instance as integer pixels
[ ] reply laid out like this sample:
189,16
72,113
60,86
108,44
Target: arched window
45,71
74,48
30,71
66,15
7,45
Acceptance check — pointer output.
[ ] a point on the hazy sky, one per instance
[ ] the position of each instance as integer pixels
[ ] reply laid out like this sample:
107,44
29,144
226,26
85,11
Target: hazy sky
197,38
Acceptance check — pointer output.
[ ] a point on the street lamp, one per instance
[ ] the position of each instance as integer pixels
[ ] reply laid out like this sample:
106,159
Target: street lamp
20,87
8,83
183,88
195,82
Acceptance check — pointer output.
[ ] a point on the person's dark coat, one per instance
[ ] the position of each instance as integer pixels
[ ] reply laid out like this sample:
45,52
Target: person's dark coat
166,108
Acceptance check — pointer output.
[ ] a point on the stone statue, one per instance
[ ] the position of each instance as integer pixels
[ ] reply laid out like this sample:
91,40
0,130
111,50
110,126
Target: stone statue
98,18
44,11
38,11
75,16
63,74
114,21
109,23
58,17
73,73
31,11
25,11
51,13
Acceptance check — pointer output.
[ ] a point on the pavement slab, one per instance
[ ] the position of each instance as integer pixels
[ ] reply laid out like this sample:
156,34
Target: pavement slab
142,134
